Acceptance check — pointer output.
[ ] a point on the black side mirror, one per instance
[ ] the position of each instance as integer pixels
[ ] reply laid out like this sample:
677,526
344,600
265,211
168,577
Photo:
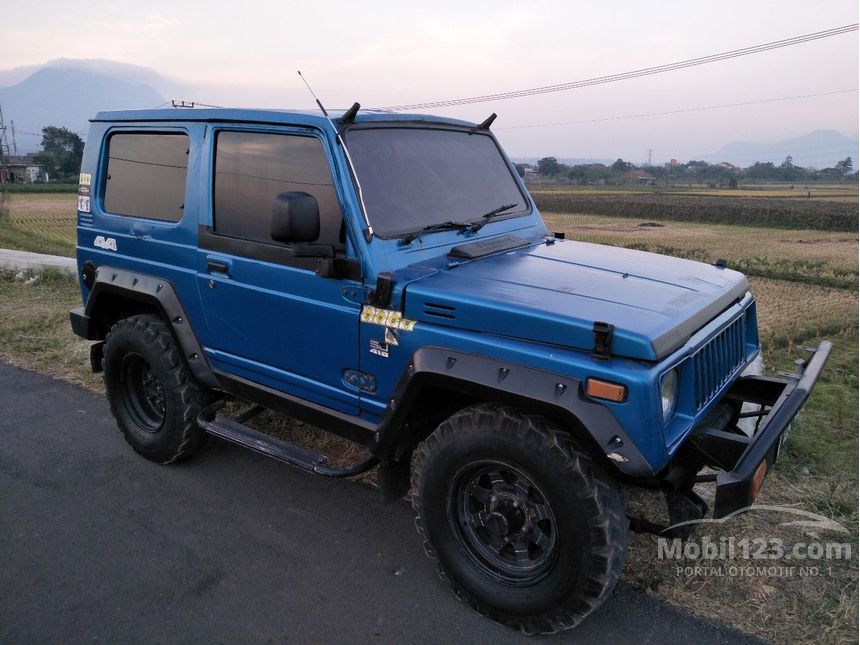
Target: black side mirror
295,218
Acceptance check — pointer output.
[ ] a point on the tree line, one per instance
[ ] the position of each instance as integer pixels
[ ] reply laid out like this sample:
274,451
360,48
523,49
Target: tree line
692,172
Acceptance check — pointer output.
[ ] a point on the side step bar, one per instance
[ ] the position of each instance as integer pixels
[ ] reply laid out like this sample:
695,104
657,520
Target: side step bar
235,431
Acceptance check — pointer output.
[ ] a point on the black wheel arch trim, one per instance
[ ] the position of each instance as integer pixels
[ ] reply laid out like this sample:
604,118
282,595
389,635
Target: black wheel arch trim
489,378
150,290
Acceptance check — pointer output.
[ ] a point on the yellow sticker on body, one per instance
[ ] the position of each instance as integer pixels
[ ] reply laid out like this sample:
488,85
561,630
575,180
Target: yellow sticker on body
386,318
86,179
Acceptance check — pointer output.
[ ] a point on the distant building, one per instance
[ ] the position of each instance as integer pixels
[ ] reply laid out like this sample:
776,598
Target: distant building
729,166
639,177
22,169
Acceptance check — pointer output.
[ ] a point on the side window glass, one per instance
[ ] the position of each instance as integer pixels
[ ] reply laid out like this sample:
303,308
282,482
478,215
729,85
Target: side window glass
252,168
146,175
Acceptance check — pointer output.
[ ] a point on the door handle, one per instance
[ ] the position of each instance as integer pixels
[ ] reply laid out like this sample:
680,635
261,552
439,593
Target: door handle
217,266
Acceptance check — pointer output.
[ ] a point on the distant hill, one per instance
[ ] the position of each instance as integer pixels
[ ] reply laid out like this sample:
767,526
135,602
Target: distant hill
819,149
69,93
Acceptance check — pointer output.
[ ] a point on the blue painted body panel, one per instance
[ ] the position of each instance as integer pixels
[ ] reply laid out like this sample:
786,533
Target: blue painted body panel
554,293
297,332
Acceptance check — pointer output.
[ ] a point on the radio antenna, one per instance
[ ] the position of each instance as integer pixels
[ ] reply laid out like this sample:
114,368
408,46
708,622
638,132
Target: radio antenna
368,232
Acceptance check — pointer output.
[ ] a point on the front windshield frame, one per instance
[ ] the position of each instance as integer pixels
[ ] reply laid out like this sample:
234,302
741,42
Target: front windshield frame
528,206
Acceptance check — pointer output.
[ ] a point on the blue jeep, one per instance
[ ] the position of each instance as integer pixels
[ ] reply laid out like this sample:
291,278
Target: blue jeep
388,278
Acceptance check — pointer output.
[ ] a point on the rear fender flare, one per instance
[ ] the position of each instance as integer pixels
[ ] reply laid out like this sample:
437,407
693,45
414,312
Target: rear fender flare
154,292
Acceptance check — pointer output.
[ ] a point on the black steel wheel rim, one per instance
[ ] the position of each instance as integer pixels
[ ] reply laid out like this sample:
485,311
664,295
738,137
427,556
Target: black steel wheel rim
142,392
504,521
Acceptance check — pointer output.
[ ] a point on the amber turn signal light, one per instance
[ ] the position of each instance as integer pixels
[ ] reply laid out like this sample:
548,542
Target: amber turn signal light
598,389
758,477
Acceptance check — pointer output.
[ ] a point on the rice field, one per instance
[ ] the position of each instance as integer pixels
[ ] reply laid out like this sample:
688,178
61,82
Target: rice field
826,258
41,223
843,192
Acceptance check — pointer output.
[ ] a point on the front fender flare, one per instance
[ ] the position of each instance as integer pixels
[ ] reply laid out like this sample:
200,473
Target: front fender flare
484,376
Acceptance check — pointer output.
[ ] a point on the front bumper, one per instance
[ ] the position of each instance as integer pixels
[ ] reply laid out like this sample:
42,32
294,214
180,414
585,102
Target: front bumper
746,460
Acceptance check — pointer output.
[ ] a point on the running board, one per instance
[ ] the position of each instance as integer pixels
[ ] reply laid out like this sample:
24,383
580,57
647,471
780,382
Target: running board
234,431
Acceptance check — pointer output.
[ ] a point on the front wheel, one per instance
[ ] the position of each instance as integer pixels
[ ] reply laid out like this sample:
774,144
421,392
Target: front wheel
525,527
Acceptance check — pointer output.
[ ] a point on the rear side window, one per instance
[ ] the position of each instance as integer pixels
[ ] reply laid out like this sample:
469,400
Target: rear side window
252,168
146,175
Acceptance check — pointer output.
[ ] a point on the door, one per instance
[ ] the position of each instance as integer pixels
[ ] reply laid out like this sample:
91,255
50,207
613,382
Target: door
271,319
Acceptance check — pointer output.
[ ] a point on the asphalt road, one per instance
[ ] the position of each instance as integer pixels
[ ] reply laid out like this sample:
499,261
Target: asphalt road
98,544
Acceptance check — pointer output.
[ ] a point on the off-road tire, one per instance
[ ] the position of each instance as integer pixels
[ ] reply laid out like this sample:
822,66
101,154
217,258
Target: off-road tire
587,506
142,348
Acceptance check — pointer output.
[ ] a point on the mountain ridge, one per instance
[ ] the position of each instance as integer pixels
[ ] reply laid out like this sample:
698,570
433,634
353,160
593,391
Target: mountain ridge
68,95
819,148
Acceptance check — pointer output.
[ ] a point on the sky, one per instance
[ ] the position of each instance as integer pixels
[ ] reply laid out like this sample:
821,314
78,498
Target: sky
396,52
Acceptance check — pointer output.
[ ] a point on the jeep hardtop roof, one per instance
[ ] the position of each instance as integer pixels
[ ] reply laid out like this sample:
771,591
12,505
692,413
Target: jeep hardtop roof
287,117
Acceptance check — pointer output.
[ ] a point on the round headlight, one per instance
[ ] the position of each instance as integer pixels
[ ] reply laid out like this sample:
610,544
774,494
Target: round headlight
669,392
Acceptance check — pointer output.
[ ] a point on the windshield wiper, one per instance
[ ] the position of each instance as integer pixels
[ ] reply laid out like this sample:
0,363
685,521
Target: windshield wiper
486,217
450,225
498,211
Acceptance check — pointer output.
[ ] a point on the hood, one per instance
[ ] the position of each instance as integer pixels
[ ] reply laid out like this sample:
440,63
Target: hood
555,293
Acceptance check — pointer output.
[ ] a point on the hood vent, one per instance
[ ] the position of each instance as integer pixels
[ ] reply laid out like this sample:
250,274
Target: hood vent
440,311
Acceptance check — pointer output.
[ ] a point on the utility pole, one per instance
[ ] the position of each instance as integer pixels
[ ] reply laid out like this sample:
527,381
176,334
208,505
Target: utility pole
14,143
4,150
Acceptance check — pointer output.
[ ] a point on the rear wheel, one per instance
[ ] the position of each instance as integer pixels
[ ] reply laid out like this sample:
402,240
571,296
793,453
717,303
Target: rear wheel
525,527
151,394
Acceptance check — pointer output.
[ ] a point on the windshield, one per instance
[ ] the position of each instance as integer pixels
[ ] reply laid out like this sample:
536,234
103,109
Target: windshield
415,178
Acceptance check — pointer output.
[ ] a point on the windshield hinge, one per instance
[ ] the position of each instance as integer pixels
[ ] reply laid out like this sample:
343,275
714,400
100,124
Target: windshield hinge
602,339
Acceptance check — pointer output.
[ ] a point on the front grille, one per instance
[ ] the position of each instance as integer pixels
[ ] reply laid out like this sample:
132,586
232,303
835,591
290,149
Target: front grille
716,362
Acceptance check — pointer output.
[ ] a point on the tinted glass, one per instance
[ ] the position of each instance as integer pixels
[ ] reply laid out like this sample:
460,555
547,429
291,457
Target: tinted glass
251,169
415,177
146,175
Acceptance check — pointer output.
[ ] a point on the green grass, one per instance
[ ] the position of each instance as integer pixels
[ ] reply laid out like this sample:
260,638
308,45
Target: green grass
824,438
34,325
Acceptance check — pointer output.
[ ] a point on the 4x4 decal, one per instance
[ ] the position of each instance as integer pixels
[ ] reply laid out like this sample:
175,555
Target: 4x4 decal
106,243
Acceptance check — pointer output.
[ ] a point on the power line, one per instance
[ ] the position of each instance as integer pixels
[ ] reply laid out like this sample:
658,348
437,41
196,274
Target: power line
678,111
647,71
